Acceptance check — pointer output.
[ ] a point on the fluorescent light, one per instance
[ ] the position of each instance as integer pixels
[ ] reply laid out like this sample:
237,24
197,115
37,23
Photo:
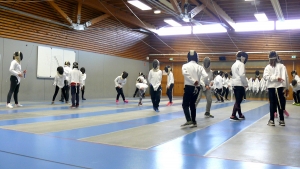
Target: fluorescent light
139,4
213,28
288,24
183,30
261,17
172,22
254,26
157,11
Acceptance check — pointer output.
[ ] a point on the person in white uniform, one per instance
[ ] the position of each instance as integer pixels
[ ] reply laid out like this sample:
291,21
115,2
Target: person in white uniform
76,84
154,79
67,70
170,84
218,82
192,73
59,80
275,75
83,83
141,84
15,79
296,93
120,81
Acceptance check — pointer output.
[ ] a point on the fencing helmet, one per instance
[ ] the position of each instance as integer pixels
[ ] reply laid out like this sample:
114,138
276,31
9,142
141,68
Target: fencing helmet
273,58
18,56
82,70
140,79
75,65
67,63
230,73
124,75
218,72
168,69
155,64
206,62
141,73
242,56
60,70
226,75
294,83
192,55
257,73
294,73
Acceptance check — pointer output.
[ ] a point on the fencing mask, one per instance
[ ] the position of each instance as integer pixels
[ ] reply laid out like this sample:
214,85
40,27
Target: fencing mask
257,73
155,64
18,56
192,55
294,73
141,74
226,75
75,65
124,75
67,63
168,69
294,83
60,70
206,63
82,70
242,56
273,58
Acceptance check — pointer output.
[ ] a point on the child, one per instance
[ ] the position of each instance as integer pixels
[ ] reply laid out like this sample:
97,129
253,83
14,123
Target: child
15,78
75,83
136,90
142,86
296,91
120,81
59,79
170,84
154,78
83,82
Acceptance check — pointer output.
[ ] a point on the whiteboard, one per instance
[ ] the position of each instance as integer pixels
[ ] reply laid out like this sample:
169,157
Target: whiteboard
50,58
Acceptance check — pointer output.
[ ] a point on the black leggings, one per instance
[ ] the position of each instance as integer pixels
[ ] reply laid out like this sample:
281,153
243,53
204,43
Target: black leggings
56,91
274,104
82,92
120,92
169,92
155,96
188,102
14,88
239,93
225,92
296,96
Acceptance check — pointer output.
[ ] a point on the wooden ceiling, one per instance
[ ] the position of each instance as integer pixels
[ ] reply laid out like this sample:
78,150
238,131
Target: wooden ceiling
227,12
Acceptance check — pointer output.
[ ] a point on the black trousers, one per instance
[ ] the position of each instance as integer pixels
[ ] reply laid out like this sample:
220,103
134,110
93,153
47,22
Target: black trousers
75,95
296,96
239,93
274,104
155,96
67,91
14,89
188,102
56,91
82,92
225,92
120,92
169,92
219,94
135,92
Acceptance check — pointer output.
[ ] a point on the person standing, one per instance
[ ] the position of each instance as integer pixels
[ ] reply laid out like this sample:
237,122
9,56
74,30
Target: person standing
192,73
15,79
120,81
154,79
59,83
67,70
239,83
170,84
76,84
218,81
225,86
83,82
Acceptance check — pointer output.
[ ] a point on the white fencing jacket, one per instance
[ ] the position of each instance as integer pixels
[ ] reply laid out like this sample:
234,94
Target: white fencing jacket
120,82
271,75
238,74
218,82
193,72
154,78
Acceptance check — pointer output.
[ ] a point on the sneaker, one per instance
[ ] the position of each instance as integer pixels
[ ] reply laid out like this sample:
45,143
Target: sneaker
244,100
275,115
77,105
139,104
281,123
294,103
52,102
125,101
18,105
83,98
242,117
286,113
208,115
234,118
117,101
9,106
72,107
61,100
157,110
217,101
298,104
271,123
187,123
194,125
67,102
169,104
154,108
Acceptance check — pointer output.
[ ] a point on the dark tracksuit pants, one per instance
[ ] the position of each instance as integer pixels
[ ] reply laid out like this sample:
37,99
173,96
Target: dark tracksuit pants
67,90
274,104
225,92
296,96
188,103
169,92
56,91
155,96
239,92
14,89
75,95
120,92
219,94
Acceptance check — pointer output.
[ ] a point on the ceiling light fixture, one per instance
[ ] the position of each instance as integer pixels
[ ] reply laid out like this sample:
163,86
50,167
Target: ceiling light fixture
172,22
157,11
139,4
261,16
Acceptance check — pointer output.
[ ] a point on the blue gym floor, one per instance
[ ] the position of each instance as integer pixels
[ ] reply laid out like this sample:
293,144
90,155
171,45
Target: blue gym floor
101,134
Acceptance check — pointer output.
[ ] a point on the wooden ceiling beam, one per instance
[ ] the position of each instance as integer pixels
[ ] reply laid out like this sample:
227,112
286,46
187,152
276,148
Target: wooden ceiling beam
78,16
206,11
62,13
176,6
110,10
197,10
96,20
